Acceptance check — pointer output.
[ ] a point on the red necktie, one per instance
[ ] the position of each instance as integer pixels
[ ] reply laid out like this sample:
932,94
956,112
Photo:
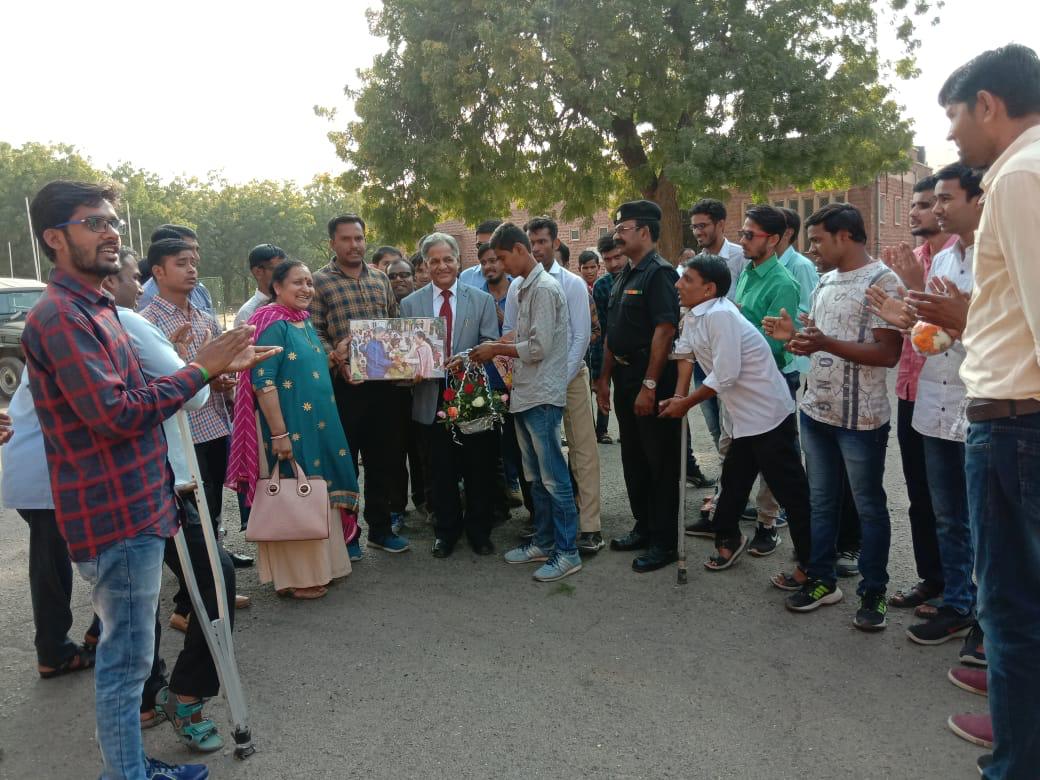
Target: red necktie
446,313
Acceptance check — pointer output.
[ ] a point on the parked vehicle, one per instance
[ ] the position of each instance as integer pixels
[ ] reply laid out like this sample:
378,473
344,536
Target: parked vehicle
17,296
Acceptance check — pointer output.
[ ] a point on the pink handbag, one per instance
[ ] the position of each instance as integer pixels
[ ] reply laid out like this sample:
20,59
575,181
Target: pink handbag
289,510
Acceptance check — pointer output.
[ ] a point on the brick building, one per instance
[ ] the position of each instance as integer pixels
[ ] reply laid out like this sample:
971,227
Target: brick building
884,204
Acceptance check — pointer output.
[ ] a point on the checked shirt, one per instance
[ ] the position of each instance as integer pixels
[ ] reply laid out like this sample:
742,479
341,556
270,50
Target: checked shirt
101,420
338,299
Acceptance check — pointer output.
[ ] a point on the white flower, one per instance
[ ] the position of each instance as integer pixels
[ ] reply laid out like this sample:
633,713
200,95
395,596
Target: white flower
478,401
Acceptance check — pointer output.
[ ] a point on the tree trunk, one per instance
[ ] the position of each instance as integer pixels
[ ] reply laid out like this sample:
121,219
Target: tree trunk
664,195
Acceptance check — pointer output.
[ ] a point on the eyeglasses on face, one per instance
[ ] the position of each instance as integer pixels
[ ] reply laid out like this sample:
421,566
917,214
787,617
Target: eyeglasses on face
750,234
399,275
620,229
699,227
98,224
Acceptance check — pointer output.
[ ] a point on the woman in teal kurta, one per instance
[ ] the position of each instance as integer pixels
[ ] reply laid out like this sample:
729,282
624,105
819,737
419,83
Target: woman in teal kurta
299,421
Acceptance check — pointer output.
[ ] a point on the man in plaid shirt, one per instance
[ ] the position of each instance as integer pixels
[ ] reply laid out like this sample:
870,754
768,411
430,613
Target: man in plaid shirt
112,485
344,290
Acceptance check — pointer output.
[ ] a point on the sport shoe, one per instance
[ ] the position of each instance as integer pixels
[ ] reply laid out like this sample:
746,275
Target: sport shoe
750,513
155,769
948,624
396,521
781,519
971,680
848,563
604,438
976,729
813,594
558,566
973,653
391,543
871,613
700,527
765,541
591,542
354,549
695,477
526,553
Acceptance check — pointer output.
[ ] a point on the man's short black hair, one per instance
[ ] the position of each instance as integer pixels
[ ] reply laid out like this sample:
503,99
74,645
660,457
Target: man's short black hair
58,200
969,179
927,184
543,223
836,217
345,219
507,235
416,260
588,256
606,244
769,218
163,248
488,226
1012,73
794,222
173,231
484,247
385,251
712,268
261,254
713,208
565,254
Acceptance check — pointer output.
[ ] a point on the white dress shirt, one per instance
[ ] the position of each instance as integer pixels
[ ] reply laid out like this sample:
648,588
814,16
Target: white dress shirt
438,301
26,481
939,410
739,366
249,308
733,254
579,314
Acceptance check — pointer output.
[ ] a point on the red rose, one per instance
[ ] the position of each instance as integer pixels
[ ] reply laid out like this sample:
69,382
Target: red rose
449,395
468,388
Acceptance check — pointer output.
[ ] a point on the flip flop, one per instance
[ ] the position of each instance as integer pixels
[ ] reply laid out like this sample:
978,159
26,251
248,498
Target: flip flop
314,594
83,659
718,563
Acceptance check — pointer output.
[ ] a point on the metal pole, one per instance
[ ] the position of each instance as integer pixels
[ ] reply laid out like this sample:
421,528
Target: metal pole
680,576
140,241
10,258
32,239
130,224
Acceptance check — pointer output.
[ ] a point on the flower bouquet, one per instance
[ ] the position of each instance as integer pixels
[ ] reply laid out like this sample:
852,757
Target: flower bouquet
470,405
929,339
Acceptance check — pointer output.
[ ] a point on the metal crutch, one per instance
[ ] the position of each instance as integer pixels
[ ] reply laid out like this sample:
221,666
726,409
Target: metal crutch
680,576
217,630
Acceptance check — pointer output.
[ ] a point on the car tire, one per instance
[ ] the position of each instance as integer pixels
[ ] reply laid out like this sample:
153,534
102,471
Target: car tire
10,375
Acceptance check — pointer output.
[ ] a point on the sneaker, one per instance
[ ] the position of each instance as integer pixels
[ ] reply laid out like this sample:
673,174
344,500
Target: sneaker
813,594
700,527
695,477
558,566
871,613
591,542
781,519
765,541
154,769
973,653
354,549
526,553
971,680
848,563
947,625
396,522
604,438
391,543
976,729
750,513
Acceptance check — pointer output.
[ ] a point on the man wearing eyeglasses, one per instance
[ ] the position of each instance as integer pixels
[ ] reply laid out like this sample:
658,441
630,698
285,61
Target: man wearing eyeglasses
708,223
643,314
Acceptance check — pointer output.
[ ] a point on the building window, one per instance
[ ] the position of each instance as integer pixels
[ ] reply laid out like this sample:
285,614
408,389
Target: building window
603,232
897,210
778,204
822,200
575,235
882,207
793,205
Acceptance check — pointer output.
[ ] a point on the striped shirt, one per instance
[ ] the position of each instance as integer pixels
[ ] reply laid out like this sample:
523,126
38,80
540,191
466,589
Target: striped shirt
339,298
212,421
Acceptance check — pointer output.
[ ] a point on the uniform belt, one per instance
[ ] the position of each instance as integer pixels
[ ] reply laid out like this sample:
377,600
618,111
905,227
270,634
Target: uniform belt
621,361
980,409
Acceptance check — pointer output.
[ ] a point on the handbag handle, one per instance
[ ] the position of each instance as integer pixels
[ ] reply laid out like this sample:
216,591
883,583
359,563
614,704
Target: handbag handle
303,485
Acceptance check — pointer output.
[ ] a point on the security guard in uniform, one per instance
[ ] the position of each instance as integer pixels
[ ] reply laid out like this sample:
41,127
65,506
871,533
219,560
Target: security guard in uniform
642,317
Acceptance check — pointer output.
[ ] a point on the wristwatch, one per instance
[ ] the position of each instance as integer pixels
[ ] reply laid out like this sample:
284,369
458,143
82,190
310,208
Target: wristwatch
650,384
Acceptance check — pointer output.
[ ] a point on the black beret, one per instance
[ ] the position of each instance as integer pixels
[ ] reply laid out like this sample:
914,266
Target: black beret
638,209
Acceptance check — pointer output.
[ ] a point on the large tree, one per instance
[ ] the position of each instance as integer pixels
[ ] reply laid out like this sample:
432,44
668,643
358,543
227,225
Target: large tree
478,104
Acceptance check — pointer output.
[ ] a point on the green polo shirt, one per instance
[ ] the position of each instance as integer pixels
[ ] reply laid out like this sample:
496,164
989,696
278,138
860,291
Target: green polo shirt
761,292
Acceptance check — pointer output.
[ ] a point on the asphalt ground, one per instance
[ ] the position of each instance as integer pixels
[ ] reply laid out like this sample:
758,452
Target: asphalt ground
466,667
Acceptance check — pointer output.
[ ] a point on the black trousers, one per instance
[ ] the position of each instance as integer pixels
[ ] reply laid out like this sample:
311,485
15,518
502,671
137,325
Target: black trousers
50,589
922,517
649,456
400,399
474,463
375,431
194,673
776,455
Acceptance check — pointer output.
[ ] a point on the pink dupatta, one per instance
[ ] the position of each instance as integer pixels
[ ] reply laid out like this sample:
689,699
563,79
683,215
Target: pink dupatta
243,459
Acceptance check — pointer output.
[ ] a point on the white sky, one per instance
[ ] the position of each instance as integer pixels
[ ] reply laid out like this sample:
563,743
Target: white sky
228,85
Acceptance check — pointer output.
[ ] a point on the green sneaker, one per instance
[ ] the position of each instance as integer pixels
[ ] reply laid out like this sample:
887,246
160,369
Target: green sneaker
871,613
813,594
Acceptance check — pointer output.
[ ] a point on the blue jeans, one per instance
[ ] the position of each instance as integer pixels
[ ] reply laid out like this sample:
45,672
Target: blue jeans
555,514
944,465
1002,464
125,578
829,451
709,408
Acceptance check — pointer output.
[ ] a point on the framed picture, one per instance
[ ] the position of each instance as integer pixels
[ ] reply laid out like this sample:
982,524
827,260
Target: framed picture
397,348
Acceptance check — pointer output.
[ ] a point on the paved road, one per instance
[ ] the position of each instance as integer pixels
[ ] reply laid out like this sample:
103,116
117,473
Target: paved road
468,668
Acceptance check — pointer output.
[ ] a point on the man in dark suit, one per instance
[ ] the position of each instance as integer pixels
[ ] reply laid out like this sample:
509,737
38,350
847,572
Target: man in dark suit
470,318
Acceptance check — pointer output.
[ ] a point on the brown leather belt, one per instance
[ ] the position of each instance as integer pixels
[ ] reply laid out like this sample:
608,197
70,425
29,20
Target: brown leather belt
980,409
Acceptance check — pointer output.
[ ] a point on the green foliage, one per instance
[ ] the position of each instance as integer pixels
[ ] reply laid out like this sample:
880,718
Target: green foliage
230,219
476,104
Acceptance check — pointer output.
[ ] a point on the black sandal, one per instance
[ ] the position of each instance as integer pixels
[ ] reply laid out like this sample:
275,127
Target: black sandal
735,548
789,582
83,659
